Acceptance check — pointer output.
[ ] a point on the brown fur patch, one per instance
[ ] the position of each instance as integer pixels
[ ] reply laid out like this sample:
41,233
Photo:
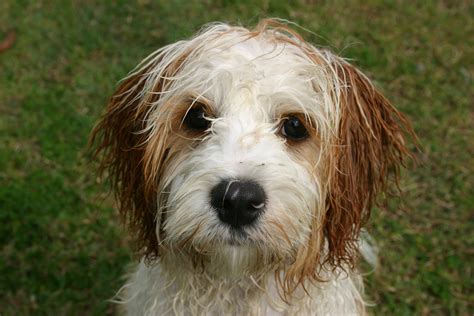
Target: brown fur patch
135,157
366,157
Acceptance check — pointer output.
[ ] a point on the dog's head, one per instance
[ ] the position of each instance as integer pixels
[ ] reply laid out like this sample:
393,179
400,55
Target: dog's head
250,140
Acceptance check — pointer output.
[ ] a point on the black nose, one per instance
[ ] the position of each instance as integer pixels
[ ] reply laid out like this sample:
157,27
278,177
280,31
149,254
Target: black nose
238,202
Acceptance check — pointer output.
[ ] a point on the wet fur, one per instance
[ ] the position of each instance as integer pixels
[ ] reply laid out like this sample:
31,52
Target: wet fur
301,257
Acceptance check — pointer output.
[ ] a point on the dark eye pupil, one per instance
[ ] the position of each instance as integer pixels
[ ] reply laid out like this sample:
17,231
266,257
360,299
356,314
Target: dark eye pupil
294,128
195,119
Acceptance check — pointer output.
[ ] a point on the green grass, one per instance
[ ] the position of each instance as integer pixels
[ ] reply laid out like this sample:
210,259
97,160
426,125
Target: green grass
62,249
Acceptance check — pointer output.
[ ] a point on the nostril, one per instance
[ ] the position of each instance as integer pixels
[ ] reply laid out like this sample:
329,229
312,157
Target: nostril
256,205
238,202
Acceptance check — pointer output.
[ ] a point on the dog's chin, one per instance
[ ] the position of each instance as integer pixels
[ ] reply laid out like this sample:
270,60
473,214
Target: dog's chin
236,259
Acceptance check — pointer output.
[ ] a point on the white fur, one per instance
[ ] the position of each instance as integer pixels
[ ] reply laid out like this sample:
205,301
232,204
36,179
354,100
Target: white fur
251,84
172,289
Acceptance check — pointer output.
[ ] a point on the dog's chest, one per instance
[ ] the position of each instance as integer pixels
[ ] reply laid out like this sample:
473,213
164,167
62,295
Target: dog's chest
152,291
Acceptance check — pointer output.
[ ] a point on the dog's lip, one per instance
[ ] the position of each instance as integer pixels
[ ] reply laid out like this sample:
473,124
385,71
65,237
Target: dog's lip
237,237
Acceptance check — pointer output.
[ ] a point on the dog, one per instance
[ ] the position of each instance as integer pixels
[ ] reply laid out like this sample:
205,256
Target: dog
245,163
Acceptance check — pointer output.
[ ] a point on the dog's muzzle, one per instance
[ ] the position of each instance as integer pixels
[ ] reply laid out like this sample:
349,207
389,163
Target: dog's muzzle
238,202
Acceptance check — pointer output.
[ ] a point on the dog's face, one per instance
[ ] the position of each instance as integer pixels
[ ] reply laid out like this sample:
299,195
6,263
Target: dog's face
249,141
244,161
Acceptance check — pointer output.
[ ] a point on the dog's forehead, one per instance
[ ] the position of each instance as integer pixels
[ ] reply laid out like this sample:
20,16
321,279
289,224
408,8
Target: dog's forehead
258,59
257,71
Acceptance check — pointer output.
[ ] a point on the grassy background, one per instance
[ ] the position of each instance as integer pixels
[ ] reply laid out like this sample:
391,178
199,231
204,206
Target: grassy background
62,250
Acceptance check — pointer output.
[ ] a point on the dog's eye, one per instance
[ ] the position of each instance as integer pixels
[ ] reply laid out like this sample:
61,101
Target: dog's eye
196,119
293,128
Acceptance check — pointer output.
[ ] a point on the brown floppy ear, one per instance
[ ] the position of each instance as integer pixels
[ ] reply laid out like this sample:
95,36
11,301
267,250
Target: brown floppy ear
122,141
120,144
367,155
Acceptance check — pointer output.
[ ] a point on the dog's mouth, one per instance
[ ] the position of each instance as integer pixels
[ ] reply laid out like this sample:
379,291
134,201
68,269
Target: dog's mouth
237,237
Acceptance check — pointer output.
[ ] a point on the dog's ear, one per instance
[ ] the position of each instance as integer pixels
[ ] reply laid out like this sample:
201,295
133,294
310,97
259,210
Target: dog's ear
122,142
367,154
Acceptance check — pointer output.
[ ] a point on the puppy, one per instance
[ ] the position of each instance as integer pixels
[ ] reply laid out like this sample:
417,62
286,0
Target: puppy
245,163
